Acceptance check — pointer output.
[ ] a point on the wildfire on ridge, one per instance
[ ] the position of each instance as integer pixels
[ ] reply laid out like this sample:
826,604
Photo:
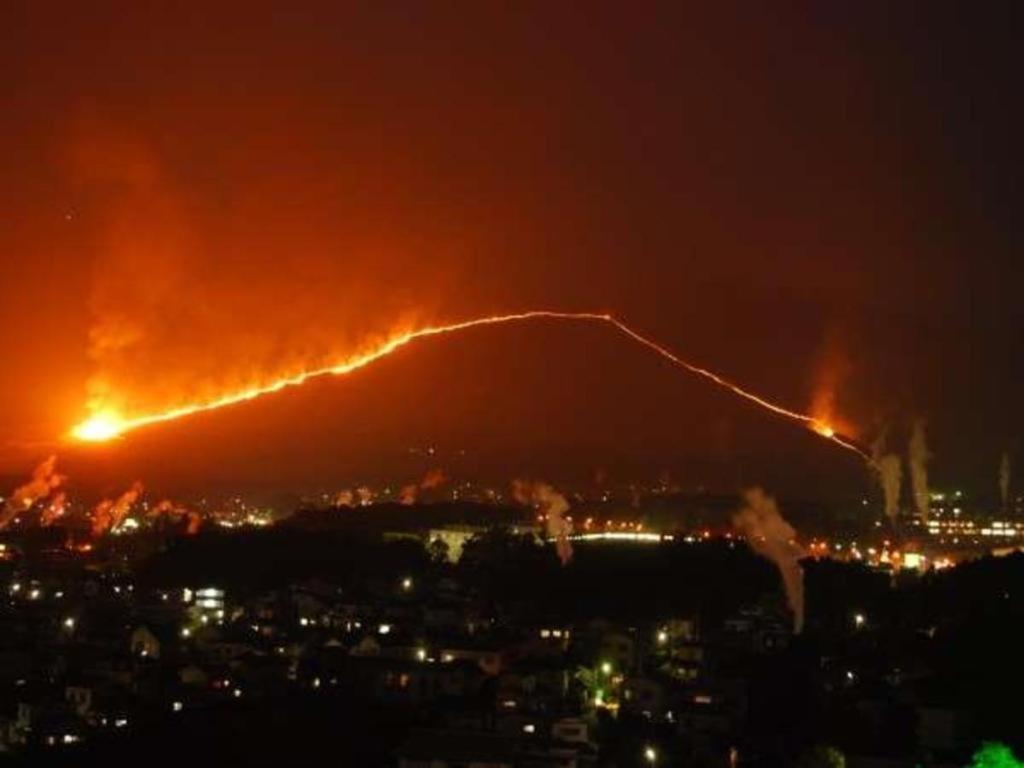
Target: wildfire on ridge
106,424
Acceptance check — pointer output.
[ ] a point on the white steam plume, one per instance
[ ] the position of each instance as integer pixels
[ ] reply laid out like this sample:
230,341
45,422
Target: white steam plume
1004,480
918,456
772,537
553,506
890,476
432,479
41,484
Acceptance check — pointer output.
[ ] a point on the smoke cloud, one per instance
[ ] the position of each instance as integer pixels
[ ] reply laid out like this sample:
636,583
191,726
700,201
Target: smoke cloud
890,477
110,513
773,538
124,504
166,289
432,479
42,483
552,506
918,456
54,510
1004,480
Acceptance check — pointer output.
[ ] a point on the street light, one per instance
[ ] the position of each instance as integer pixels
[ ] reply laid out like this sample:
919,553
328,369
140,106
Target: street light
650,755
606,667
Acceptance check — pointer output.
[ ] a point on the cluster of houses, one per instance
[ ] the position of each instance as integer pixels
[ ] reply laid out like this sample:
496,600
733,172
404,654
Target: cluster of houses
96,654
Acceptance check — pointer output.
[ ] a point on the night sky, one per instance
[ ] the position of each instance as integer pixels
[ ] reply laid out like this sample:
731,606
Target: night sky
803,198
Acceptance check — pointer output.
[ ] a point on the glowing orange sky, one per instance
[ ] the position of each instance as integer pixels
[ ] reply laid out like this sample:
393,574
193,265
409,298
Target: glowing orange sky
195,201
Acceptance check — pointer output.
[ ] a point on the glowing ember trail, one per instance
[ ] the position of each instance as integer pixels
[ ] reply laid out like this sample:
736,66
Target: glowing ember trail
105,425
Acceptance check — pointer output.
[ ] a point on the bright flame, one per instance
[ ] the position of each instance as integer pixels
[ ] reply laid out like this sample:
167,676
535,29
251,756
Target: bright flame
100,427
106,424
823,429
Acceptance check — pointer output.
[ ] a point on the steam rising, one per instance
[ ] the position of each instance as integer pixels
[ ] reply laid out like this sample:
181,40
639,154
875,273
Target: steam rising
552,506
43,482
109,514
890,475
772,537
432,479
53,511
1004,480
918,456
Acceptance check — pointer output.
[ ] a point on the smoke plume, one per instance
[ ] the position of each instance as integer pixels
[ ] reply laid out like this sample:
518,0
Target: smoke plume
344,499
890,476
165,507
1004,480
41,484
552,506
124,504
918,456
53,511
109,514
166,290
772,537
432,479
101,517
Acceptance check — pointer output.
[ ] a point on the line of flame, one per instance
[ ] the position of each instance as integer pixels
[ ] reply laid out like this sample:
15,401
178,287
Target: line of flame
104,426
